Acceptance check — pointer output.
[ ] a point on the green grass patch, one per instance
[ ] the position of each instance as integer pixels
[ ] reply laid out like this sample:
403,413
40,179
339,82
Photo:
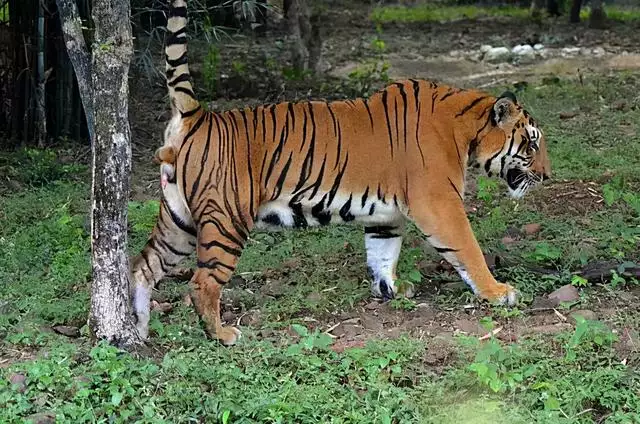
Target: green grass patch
432,13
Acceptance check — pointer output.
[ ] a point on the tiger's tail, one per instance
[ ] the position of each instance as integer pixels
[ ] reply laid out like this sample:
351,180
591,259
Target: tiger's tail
181,94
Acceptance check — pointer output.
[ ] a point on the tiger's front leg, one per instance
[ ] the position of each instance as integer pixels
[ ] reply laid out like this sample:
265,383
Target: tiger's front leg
220,243
448,230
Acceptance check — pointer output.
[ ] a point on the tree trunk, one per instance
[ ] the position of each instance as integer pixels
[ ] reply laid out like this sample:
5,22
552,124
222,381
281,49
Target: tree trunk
553,8
104,89
537,6
111,315
41,109
79,55
574,15
597,17
295,16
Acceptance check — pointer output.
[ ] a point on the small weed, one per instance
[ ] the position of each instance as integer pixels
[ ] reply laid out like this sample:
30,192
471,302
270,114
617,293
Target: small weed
402,304
211,69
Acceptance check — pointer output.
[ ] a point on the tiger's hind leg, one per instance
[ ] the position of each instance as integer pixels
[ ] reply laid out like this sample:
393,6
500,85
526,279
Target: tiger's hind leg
220,243
383,245
172,239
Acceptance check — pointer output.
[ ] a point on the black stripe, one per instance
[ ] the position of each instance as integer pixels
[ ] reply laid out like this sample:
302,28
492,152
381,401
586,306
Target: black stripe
186,91
215,264
455,188
248,140
180,78
222,230
177,62
388,122
444,249
216,243
365,196
416,93
281,178
345,211
372,209
203,161
179,222
180,12
336,182
366,106
405,105
470,106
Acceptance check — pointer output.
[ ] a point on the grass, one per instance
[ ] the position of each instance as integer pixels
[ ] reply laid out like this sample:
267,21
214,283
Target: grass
292,286
441,13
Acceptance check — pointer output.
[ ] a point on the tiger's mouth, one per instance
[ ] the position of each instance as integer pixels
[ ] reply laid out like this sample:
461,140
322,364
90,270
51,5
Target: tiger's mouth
515,177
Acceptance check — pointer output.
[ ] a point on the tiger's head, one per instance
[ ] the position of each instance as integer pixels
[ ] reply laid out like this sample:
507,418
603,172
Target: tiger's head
515,148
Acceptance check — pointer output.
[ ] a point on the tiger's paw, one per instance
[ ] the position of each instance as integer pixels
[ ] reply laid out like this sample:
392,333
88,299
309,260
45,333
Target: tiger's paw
383,289
228,336
500,294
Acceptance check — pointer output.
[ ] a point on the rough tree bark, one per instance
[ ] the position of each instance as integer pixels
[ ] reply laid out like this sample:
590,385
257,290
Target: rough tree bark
41,108
597,17
305,34
106,94
574,14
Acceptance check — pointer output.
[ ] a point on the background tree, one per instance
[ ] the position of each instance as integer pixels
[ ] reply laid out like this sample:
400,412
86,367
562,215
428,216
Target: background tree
105,97
597,17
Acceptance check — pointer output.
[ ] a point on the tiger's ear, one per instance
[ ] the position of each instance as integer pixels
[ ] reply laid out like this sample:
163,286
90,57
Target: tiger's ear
504,108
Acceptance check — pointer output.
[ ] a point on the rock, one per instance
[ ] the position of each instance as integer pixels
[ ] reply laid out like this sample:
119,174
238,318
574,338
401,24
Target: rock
522,49
549,329
531,229
497,54
566,293
372,305
568,115
371,322
66,330
4,307
342,345
454,286
186,300
163,307
229,317
584,313
570,51
42,418
314,297
18,381
598,51
469,327
485,48
538,47
506,240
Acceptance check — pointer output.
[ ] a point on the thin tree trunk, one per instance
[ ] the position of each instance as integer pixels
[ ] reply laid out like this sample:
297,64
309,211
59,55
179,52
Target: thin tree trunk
79,55
111,316
299,52
597,17
574,15
41,113
104,90
537,6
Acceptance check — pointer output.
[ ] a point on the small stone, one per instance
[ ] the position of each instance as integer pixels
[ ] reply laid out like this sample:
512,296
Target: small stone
566,293
314,297
18,381
163,307
568,115
550,329
186,300
469,327
598,51
538,47
228,317
506,240
531,229
342,345
42,418
371,323
570,51
485,48
372,305
584,313
66,330
453,287
4,307
497,54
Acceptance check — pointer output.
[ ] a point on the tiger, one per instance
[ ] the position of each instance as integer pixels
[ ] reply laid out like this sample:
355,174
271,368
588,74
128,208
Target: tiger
398,156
